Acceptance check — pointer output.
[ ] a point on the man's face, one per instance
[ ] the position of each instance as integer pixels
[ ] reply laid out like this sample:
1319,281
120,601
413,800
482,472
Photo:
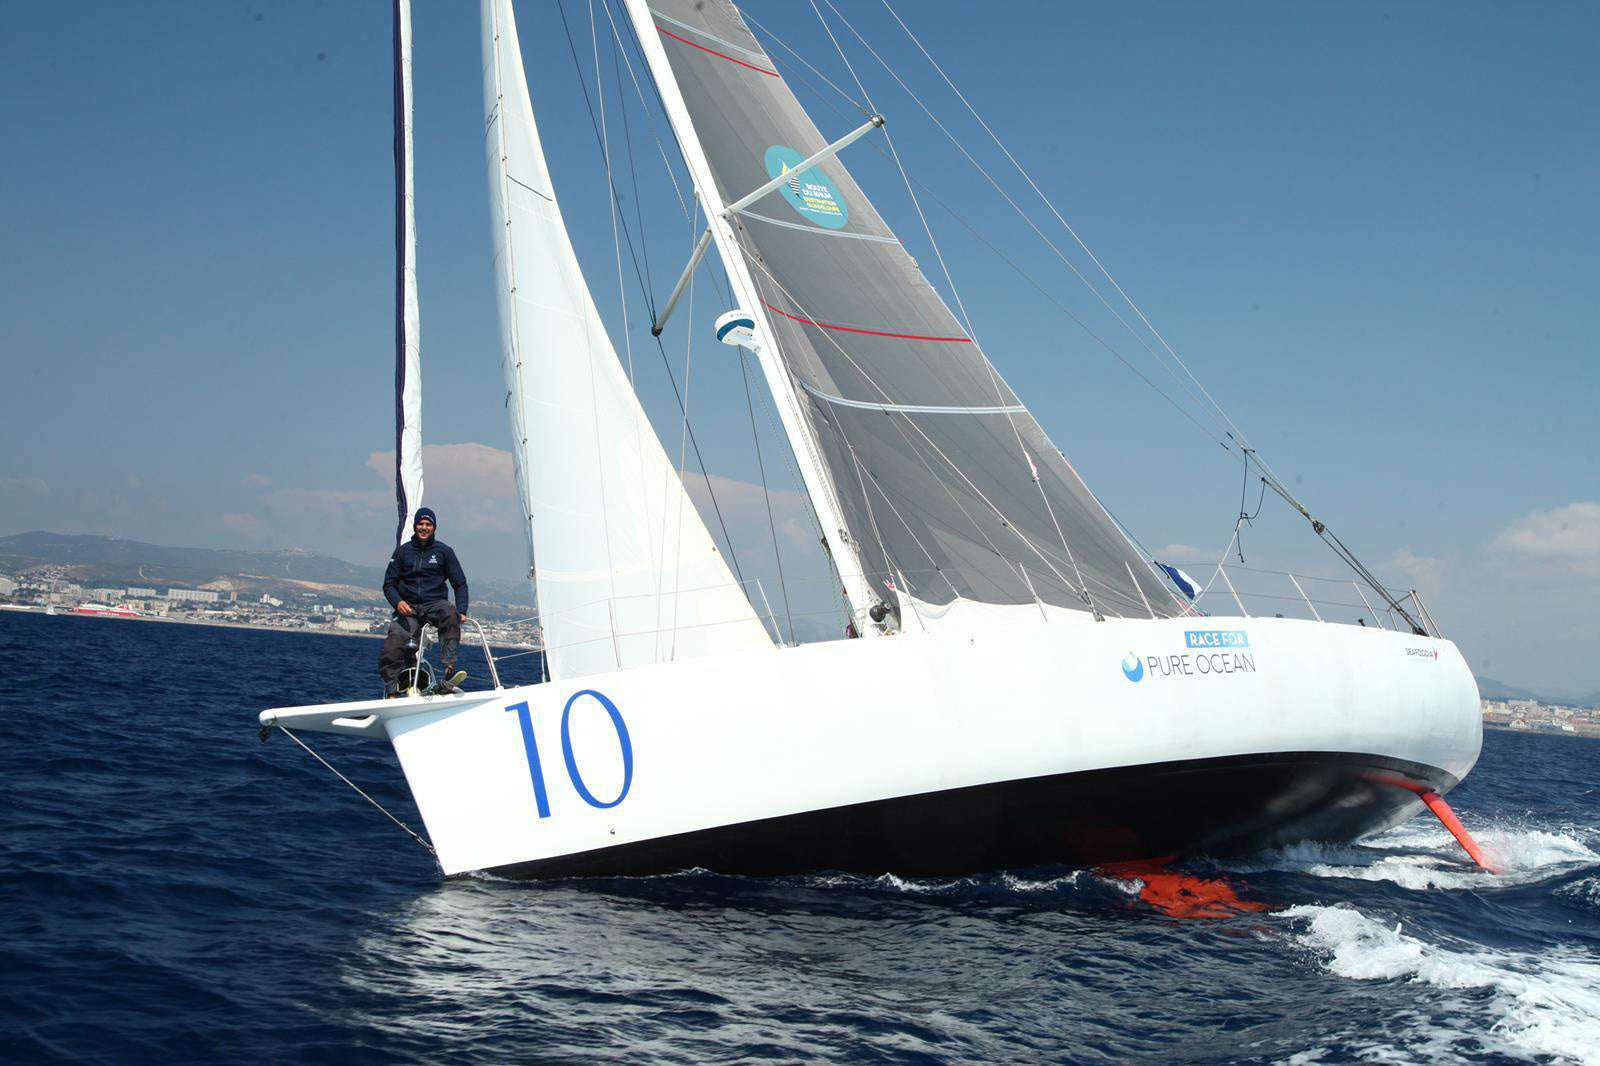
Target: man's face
424,529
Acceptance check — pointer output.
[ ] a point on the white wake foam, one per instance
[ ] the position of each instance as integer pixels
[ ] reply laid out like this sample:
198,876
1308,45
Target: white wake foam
1546,1004
929,886
1418,855
1049,884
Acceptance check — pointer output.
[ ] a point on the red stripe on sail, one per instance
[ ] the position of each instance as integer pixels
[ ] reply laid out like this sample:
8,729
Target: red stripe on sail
722,55
869,332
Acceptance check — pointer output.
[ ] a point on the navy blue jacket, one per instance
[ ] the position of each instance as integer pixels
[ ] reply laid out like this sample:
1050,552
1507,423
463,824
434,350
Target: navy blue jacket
417,574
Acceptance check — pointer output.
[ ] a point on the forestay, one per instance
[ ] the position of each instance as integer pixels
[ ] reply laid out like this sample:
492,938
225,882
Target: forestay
949,487
626,573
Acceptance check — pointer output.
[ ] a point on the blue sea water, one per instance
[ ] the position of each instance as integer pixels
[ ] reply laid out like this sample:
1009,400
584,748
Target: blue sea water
172,890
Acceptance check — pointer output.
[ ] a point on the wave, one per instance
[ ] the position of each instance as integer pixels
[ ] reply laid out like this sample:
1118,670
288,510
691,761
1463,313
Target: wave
1422,856
1543,1004
1585,893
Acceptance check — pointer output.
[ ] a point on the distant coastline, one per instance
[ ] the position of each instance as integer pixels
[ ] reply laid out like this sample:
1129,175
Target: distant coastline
70,613
1589,733
213,623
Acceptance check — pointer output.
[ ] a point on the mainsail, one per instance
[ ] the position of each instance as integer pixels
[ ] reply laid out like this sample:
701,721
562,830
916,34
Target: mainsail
626,573
947,486
407,354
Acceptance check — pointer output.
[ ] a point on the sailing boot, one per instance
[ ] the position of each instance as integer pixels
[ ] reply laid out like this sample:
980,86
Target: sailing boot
450,680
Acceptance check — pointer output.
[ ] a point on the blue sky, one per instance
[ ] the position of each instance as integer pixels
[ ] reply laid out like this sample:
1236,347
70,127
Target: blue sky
1368,228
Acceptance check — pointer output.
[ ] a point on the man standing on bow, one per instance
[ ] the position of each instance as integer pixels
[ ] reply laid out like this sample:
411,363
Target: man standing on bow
414,585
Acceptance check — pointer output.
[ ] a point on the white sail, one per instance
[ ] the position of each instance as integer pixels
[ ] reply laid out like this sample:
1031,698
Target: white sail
626,573
408,352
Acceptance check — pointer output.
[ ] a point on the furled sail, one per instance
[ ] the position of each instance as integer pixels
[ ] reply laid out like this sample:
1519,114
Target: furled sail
948,486
408,354
626,573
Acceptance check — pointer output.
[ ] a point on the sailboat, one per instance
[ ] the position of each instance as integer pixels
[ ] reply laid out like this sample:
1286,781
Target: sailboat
1021,684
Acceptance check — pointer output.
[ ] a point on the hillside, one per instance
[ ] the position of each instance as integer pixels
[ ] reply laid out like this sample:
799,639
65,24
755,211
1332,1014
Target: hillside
113,562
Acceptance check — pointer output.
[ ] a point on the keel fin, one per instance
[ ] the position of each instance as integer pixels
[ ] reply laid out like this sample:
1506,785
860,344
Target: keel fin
1442,811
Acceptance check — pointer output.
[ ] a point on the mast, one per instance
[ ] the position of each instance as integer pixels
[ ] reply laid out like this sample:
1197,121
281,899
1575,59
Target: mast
807,450
407,354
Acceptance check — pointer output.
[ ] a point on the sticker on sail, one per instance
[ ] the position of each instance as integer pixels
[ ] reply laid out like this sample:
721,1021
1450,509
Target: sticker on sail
1133,667
809,192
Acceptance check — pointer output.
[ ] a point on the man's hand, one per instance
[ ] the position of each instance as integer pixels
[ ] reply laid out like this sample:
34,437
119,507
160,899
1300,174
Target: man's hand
404,608
461,617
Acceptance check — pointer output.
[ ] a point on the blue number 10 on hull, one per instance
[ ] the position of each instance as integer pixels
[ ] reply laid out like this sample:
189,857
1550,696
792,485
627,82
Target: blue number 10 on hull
541,798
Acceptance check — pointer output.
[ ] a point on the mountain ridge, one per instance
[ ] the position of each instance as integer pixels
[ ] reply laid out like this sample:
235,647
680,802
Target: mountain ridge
91,560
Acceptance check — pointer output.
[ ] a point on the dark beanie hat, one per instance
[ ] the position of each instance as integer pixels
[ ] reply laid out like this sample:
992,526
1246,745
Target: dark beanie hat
425,512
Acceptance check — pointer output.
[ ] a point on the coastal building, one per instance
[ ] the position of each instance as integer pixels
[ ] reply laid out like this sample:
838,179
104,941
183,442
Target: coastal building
1533,716
193,595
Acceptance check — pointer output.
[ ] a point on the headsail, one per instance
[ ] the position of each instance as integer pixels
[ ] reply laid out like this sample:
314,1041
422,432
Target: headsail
626,573
948,486
407,354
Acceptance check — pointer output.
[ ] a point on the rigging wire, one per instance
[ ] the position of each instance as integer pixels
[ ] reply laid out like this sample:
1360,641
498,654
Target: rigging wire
933,565
864,109
769,411
595,123
659,549
594,400
932,194
627,142
901,423
412,832
627,59
683,435
914,449
645,288
1033,547
1062,219
944,267
772,524
956,294
994,184
1245,517
700,461
1233,432
724,284
619,47
928,191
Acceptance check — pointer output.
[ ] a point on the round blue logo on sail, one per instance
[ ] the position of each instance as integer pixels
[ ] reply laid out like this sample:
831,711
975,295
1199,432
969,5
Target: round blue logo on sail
809,192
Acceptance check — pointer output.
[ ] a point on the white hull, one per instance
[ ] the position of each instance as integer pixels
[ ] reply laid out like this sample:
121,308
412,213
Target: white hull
1031,738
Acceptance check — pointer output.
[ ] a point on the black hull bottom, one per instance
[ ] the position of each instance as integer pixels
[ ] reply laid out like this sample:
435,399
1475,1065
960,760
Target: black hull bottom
1214,807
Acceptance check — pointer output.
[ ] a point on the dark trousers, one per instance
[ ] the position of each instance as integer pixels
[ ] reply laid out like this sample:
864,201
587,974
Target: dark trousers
395,659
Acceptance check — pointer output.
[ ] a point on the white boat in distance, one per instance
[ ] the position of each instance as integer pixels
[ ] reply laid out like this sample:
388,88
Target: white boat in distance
1027,687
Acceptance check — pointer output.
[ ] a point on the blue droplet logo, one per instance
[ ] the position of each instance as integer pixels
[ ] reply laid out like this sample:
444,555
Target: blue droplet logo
1133,667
